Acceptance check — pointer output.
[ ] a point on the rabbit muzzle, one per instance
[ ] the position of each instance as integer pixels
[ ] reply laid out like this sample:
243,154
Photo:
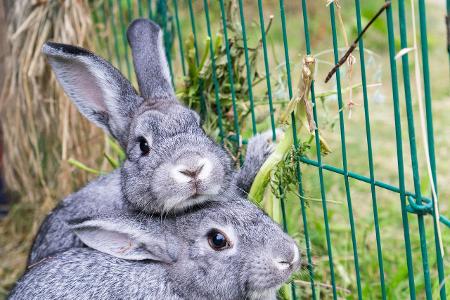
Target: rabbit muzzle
198,175
270,269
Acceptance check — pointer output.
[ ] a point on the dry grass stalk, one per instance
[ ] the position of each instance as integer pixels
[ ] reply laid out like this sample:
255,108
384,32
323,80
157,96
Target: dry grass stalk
41,128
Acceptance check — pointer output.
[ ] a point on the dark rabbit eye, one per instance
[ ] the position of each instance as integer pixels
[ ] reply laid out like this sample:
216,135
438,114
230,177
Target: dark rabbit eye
218,240
143,145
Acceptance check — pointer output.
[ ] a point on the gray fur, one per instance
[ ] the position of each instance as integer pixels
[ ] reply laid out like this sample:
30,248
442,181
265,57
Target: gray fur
260,259
104,195
143,182
172,131
258,149
150,62
72,275
101,196
99,90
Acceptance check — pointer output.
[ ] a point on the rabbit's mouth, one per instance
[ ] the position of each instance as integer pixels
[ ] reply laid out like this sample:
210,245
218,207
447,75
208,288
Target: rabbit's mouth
189,194
199,196
199,189
196,197
186,203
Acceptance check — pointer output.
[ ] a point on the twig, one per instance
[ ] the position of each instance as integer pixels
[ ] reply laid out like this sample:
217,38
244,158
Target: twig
266,31
321,284
355,43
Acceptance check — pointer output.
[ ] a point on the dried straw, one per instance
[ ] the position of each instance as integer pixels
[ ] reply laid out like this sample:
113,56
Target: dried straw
41,128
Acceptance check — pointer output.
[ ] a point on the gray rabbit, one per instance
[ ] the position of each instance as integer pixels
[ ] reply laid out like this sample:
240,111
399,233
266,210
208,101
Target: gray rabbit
225,250
171,163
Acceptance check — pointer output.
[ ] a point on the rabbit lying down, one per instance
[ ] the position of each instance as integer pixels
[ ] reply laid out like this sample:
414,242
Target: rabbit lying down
171,164
226,249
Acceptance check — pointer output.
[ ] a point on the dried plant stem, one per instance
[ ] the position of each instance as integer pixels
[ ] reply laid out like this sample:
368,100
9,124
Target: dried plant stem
355,42
322,285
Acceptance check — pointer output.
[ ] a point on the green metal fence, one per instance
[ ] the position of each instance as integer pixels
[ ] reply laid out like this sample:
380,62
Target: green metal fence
204,20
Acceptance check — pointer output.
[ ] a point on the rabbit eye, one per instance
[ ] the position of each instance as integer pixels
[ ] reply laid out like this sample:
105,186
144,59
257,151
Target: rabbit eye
218,240
143,145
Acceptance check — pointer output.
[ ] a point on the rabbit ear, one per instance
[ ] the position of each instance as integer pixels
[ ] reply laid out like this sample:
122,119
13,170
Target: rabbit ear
150,63
99,90
123,239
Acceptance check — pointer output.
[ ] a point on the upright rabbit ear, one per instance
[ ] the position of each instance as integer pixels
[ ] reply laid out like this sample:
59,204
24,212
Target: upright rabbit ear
124,239
99,90
150,63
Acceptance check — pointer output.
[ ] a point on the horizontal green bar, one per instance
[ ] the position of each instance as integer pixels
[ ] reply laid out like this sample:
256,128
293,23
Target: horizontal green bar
353,175
365,179
444,221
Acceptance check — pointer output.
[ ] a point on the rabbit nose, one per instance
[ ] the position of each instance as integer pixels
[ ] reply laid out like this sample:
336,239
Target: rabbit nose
288,258
198,171
193,173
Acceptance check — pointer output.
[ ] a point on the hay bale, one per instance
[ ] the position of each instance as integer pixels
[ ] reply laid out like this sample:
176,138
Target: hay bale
41,128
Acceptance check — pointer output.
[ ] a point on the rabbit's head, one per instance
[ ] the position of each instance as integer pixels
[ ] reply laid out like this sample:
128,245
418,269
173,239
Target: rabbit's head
171,163
225,250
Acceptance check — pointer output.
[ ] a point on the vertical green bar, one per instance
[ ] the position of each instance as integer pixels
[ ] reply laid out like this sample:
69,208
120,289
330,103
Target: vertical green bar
230,75
344,153
298,173
398,140
430,131
298,170
150,10
106,41
97,32
161,14
180,38
114,29
412,145
247,65
369,152
214,74
130,14
285,228
266,66
266,63
124,38
194,32
140,9
288,75
129,11
319,158
448,45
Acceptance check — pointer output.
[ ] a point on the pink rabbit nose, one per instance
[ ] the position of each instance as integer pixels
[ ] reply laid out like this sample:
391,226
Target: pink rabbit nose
193,173
187,172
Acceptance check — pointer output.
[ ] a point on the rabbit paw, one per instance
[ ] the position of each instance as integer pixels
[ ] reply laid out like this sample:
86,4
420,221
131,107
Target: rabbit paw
262,145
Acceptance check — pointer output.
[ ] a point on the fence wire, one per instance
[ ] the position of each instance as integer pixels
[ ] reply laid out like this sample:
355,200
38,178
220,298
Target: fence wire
181,20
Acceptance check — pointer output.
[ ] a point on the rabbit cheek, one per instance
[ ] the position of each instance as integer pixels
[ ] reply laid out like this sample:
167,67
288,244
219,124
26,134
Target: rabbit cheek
261,279
214,276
